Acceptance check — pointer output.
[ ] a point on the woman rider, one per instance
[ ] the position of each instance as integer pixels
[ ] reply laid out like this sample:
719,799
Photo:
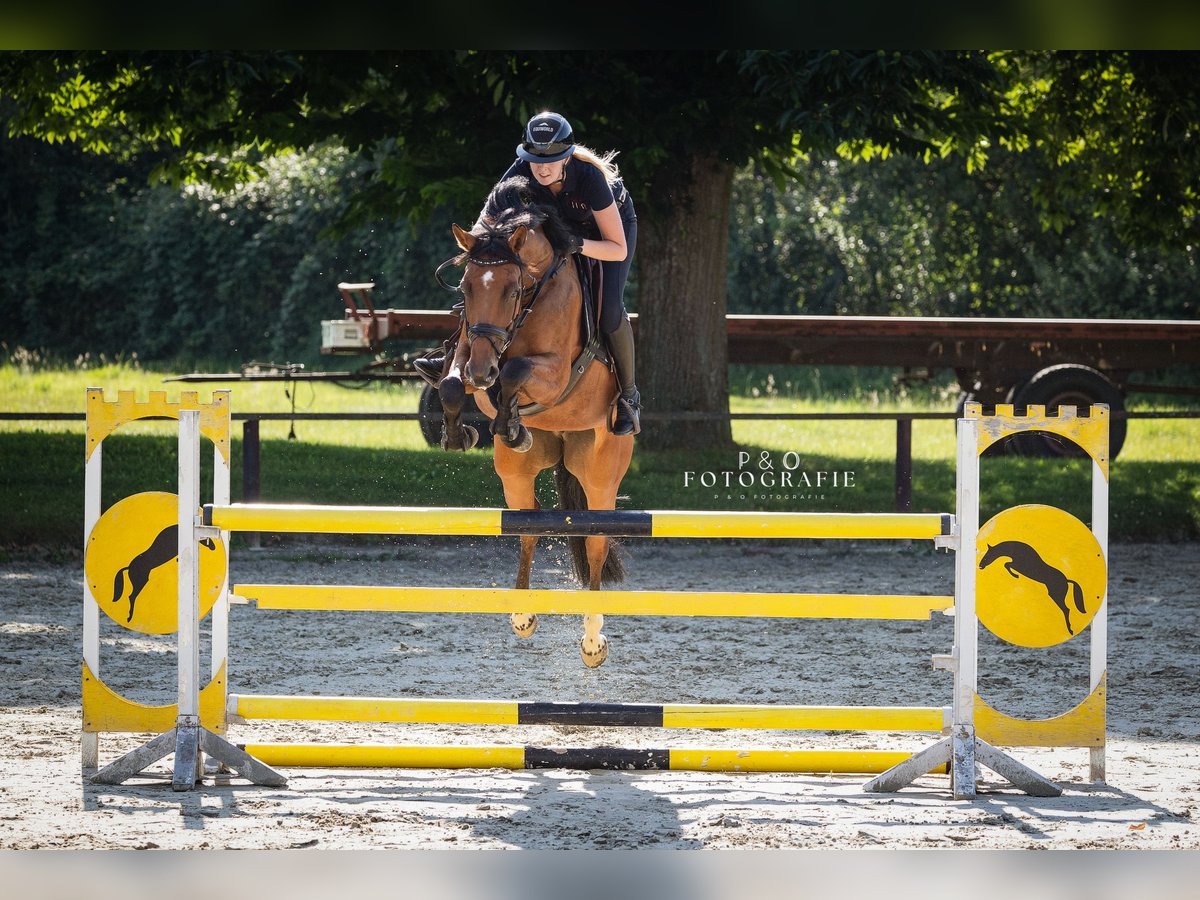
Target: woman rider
590,195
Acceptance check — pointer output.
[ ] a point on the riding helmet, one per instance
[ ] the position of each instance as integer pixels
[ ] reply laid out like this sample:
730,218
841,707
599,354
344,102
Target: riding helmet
548,138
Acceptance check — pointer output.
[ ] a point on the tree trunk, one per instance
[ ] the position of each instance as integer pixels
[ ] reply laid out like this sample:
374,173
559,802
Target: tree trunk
683,356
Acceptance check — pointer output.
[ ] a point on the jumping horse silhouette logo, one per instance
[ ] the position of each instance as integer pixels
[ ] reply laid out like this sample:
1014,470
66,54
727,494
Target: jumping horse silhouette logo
161,551
1024,560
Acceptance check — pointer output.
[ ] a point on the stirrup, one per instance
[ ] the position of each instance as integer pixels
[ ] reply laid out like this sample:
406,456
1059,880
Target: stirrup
628,420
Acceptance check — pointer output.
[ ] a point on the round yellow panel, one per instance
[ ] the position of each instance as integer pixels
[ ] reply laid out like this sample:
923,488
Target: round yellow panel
132,564
1041,576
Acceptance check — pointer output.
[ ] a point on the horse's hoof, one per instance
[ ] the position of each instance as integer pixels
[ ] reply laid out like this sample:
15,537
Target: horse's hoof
522,442
523,624
596,659
468,438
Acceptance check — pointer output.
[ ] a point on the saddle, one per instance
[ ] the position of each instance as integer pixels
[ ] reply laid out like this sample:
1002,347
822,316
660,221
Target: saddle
591,281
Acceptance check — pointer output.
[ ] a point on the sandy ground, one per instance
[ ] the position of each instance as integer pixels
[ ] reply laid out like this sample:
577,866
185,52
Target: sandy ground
1150,800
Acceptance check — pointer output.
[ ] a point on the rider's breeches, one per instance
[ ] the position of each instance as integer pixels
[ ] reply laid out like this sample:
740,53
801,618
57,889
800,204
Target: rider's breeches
612,307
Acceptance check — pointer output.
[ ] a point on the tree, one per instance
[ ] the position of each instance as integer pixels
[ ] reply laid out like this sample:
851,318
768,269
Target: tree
438,127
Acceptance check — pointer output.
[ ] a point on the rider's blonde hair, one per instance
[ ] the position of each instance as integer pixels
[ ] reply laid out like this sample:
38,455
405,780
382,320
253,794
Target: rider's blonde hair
603,162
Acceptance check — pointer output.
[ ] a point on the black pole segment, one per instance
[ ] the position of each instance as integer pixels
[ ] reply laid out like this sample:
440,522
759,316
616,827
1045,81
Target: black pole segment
596,758
576,523
638,715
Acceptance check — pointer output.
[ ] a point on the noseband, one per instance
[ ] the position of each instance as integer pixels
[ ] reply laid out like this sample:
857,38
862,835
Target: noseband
501,338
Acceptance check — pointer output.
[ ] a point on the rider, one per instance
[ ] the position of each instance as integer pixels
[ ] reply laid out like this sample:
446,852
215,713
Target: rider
592,196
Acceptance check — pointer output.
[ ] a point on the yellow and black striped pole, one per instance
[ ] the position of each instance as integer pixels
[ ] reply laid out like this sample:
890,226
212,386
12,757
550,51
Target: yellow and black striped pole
393,756
282,518
257,707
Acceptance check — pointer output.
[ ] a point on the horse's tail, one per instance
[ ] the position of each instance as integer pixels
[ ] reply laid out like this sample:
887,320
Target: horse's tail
571,496
119,584
1078,595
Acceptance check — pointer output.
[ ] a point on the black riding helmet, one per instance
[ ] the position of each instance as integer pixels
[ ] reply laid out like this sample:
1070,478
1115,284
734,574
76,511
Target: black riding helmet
548,138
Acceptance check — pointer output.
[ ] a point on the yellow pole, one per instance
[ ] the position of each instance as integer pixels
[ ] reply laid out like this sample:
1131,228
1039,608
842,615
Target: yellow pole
389,756
883,526
662,523
383,756
374,709
509,712
805,718
617,603
356,519
811,762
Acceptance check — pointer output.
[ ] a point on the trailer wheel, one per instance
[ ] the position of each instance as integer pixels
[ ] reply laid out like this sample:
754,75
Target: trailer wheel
430,408
1068,385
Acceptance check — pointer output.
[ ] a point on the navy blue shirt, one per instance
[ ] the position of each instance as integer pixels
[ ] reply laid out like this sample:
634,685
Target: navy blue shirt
585,192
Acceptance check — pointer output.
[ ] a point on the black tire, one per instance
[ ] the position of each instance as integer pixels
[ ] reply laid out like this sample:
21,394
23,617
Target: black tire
1068,385
430,407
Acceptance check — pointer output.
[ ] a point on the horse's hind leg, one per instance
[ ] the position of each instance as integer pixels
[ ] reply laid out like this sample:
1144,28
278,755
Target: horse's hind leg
593,646
525,624
599,460
517,472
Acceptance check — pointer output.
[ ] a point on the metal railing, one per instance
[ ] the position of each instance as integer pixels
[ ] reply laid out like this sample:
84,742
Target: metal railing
252,444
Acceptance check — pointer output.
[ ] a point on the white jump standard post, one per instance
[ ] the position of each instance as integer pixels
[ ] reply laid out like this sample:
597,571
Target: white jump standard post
188,740
962,749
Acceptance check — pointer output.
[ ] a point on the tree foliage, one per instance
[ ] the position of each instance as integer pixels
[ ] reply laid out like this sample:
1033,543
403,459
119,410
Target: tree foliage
900,237
1111,137
96,260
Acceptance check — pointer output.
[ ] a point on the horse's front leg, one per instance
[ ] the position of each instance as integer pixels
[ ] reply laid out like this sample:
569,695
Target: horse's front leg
452,391
536,378
514,375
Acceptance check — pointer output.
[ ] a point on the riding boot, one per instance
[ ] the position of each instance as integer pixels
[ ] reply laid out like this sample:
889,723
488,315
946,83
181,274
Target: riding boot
629,403
430,367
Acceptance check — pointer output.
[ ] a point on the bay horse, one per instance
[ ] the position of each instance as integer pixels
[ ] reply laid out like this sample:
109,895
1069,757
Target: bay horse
521,353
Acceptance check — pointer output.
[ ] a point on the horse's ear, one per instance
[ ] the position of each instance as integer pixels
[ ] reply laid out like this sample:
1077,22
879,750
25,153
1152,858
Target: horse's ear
517,241
464,239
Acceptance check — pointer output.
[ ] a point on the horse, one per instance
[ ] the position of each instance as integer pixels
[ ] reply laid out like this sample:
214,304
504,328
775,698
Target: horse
1024,560
521,354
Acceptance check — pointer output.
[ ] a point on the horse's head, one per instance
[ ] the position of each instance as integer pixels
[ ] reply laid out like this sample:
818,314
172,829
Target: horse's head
505,256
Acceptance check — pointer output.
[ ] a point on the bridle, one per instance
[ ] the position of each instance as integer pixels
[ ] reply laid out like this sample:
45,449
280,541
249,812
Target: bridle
501,338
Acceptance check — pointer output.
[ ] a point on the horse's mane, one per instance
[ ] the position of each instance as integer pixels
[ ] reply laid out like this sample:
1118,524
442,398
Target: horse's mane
517,201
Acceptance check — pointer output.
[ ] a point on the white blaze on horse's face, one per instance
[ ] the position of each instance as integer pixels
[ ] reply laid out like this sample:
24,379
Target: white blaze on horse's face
492,297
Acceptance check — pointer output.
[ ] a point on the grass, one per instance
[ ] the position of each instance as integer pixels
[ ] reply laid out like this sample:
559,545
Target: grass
1155,483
